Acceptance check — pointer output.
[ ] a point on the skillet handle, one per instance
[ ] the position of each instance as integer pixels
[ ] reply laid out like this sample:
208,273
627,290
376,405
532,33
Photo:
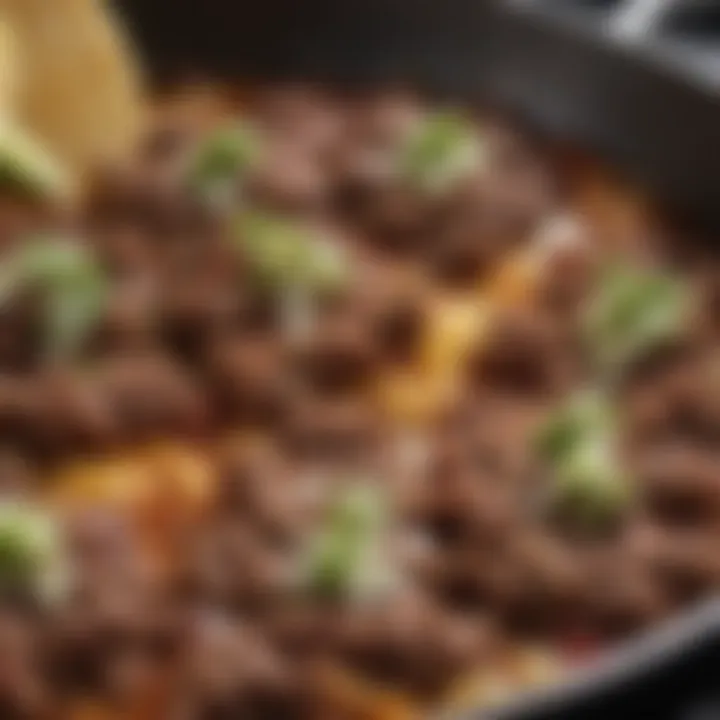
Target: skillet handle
637,18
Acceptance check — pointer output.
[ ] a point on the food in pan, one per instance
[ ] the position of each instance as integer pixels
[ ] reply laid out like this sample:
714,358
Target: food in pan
339,406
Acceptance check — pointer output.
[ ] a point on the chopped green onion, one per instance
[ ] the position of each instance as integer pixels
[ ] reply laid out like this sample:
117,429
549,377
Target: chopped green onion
346,559
632,312
589,486
585,415
72,284
30,557
27,168
284,254
577,446
220,161
444,149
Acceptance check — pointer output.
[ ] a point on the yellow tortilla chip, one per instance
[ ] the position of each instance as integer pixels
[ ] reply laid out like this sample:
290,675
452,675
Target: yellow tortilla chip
75,85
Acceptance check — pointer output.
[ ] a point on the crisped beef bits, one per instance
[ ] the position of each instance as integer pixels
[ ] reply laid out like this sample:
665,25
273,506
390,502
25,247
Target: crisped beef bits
345,427
258,487
24,693
247,376
149,394
228,670
17,474
525,352
337,357
411,643
116,613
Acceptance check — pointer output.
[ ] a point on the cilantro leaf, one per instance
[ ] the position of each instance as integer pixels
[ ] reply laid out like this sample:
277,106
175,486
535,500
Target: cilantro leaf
221,159
29,551
71,282
346,558
285,254
444,149
632,311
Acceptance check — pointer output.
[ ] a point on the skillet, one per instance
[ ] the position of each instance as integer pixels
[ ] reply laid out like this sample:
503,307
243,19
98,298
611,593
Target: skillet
639,88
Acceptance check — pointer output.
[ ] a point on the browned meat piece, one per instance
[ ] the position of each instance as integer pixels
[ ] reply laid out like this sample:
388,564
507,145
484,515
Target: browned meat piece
384,119
23,693
194,310
131,319
549,581
98,538
21,411
458,504
257,488
231,564
229,671
127,251
21,333
304,630
398,329
680,485
74,414
471,578
304,116
492,434
621,594
337,358
247,376
17,476
290,179
525,353
684,562
150,395
19,218
413,644
569,258
331,428
399,220
140,197
116,612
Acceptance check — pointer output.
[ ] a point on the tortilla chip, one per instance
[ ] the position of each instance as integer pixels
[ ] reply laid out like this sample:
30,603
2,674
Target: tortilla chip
77,84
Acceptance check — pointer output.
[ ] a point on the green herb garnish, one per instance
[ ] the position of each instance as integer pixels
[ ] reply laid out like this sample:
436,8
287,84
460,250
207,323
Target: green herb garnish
590,485
221,160
285,254
632,311
585,415
72,285
444,149
30,558
346,559
577,445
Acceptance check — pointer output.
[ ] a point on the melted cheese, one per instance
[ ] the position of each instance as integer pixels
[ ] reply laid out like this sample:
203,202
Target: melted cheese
456,325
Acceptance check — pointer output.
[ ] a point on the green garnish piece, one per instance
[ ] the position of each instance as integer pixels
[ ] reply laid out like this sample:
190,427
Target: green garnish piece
221,159
632,311
30,558
346,559
589,485
444,149
284,254
585,415
73,287
577,447
27,168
